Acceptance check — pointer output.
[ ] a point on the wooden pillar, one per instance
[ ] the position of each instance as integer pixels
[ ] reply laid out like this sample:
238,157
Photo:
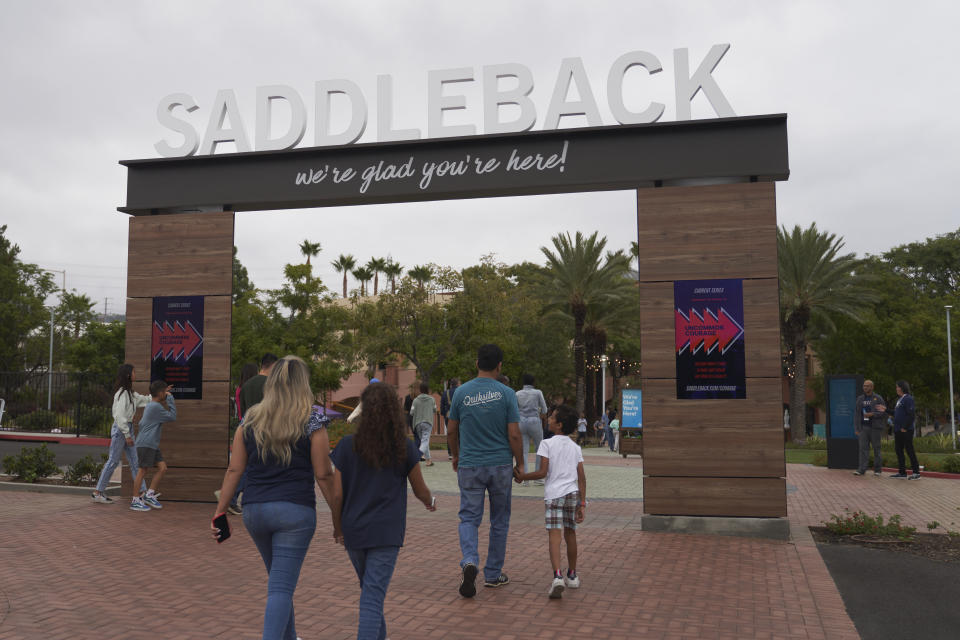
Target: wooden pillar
185,255
711,457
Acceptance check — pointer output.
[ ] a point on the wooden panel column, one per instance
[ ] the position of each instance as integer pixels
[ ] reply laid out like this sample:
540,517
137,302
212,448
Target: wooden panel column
186,255
711,457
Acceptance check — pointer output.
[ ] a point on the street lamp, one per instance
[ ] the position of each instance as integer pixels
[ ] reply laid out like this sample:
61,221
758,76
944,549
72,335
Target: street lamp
50,366
953,423
603,383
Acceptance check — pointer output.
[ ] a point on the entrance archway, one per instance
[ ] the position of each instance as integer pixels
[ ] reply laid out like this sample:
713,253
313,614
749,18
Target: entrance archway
706,210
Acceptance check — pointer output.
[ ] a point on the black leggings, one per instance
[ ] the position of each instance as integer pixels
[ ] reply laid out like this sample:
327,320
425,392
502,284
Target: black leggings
904,440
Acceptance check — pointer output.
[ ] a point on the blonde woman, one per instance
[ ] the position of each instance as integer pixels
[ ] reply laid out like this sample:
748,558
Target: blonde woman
283,446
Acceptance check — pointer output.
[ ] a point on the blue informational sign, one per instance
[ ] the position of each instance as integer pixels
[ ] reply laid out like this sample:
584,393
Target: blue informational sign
708,325
631,409
843,400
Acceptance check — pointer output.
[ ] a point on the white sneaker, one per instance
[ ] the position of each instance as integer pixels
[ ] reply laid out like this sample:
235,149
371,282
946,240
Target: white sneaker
137,505
556,588
572,583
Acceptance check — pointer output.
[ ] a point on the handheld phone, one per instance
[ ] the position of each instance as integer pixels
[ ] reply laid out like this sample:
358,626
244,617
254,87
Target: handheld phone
220,522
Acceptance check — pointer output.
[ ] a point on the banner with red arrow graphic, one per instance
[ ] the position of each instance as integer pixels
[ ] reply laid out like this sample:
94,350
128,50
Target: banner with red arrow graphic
176,345
709,337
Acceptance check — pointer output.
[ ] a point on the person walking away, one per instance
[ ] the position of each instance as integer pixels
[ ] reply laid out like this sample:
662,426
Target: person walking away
248,371
283,446
422,410
369,507
162,408
564,494
904,417
250,394
582,429
126,401
615,430
870,408
445,400
607,419
484,434
532,407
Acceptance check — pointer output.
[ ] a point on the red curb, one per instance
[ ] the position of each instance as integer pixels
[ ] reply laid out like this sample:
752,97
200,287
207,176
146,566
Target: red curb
930,474
57,439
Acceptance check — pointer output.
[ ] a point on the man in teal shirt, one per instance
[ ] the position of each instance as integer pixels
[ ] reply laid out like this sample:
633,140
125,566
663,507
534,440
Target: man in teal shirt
484,436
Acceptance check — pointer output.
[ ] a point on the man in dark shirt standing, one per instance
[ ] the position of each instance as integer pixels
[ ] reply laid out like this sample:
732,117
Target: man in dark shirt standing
870,422
251,393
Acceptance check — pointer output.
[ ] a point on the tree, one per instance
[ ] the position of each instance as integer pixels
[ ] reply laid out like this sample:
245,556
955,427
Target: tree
392,270
421,274
376,266
363,275
98,351
344,264
75,313
579,274
933,266
300,290
816,285
309,249
23,289
242,284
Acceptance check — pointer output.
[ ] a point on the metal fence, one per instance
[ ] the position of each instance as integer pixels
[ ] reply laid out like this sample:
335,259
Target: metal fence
64,402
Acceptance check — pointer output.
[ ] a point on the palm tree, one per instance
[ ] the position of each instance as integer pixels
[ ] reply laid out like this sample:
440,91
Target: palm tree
309,249
422,274
580,275
376,265
343,265
816,282
392,270
363,275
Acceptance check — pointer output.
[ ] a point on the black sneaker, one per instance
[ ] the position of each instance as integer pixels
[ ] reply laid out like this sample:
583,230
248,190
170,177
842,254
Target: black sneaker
898,475
501,580
235,509
913,476
858,473
468,581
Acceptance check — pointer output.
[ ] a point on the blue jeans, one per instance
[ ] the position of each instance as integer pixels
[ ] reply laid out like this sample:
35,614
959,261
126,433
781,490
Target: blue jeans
282,533
374,567
531,431
498,483
610,439
119,447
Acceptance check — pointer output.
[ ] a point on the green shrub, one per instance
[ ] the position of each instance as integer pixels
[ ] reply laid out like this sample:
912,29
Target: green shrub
94,420
812,442
84,470
951,464
819,459
31,464
339,428
39,419
859,522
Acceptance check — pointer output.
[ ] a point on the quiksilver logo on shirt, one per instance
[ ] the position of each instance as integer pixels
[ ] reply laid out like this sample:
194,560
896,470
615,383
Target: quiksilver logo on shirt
482,398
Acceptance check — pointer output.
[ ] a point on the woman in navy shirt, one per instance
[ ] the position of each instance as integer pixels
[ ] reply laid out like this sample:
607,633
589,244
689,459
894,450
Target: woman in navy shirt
369,505
283,446
904,415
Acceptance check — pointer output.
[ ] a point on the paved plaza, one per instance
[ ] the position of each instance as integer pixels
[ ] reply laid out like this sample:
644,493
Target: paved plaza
72,569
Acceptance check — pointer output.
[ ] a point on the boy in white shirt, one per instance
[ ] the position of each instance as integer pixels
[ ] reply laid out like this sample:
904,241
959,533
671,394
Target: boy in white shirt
564,493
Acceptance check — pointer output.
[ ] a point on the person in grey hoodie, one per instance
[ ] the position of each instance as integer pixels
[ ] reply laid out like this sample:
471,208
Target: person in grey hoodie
148,443
126,401
532,408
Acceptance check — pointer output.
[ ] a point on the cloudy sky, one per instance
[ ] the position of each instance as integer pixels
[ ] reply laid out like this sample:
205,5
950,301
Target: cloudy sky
870,89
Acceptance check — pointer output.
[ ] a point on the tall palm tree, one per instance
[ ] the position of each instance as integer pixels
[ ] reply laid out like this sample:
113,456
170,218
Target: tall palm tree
344,264
816,282
309,249
363,275
392,270
376,265
422,274
578,275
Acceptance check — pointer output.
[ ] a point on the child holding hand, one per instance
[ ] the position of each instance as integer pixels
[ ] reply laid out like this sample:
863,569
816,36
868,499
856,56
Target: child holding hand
564,493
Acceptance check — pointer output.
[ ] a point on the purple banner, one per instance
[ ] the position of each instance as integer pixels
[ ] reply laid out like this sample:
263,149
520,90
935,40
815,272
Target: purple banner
708,323
176,353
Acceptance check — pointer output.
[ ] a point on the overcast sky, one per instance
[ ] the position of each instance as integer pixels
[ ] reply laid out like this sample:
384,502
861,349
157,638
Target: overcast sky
870,89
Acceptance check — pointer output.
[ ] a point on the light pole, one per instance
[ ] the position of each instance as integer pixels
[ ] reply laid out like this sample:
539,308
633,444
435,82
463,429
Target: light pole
603,383
50,366
953,423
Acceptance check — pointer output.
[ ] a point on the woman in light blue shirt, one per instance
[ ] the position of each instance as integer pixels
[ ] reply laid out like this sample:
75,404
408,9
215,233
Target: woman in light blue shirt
532,407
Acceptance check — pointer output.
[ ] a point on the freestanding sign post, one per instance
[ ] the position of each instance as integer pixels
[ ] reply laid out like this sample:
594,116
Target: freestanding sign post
842,441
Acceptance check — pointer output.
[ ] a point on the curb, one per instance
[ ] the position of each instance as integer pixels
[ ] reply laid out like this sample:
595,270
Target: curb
54,488
929,474
56,439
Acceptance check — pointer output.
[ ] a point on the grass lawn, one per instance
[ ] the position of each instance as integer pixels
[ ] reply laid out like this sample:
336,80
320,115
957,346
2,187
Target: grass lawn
801,456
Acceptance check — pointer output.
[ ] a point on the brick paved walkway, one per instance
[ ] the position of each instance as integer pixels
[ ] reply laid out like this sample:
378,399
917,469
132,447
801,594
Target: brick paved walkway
71,569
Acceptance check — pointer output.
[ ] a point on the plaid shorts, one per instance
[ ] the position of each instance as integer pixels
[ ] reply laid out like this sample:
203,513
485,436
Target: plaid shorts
561,513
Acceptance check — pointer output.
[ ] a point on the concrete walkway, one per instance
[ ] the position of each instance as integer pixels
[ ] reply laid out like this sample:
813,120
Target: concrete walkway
72,569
